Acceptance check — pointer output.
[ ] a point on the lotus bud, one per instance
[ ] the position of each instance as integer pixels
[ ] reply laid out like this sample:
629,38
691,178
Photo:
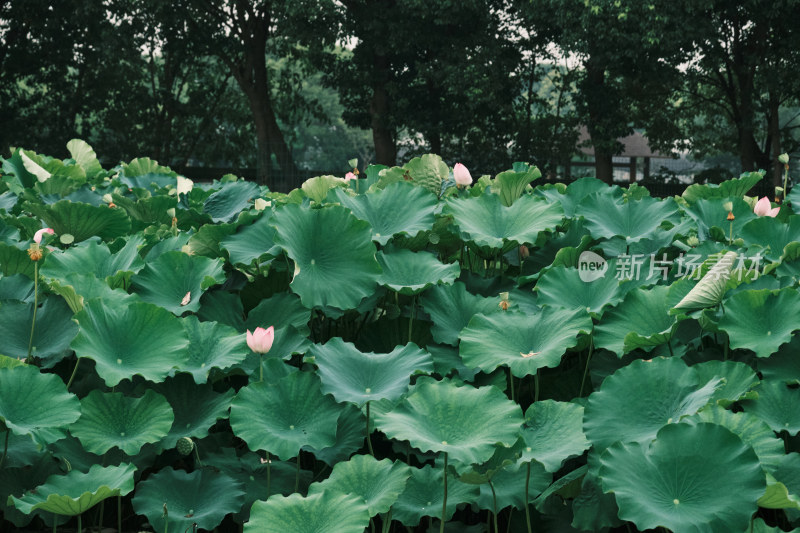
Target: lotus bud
349,176
524,251
764,208
37,237
260,340
461,175
693,241
783,158
107,199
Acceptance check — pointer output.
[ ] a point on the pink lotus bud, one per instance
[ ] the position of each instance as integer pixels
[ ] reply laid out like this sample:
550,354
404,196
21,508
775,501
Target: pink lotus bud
461,175
349,176
260,341
764,208
37,238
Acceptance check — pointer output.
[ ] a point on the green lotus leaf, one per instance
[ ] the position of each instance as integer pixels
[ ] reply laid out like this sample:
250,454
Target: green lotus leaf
351,375
280,310
783,365
211,345
18,480
83,220
206,241
334,512
729,189
759,526
84,155
463,422
777,496
54,329
710,213
711,288
408,272
94,258
563,287
424,496
111,419
33,401
761,320
400,208
753,432
553,432
738,379
642,320
776,405
509,486
486,222
16,287
510,185
571,196
349,437
223,307
15,260
203,497
252,242
451,307
128,340
76,492
288,341
524,342
333,254
77,288
168,280
147,211
635,402
788,477
676,481
317,188
249,470
225,204
632,220
377,483
771,234
196,407
284,416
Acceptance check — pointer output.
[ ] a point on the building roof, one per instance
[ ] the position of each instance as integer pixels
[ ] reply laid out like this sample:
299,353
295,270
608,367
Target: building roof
634,145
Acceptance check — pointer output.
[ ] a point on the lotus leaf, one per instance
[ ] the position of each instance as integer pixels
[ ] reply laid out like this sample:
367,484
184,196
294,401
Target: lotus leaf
324,511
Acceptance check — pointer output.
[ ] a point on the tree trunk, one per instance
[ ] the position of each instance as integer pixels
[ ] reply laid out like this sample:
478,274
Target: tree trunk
603,166
435,139
603,162
775,138
382,134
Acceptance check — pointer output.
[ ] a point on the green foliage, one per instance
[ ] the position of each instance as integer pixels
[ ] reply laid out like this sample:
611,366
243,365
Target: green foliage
416,345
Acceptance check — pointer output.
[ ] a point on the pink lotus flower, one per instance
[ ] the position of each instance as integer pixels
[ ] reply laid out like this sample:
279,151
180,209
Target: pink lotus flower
461,175
37,238
763,207
260,341
349,176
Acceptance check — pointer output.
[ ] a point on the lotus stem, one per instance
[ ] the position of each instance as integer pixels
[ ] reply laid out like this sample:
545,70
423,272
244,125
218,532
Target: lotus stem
197,455
730,235
494,506
74,371
269,476
669,345
444,500
80,525
386,521
536,387
35,304
785,183
119,514
585,370
411,318
5,448
527,511
511,383
261,368
297,473
369,441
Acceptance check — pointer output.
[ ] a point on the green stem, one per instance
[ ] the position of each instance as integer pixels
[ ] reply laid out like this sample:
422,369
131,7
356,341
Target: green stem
536,387
527,511
80,525
444,501
197,455
387,521
297,473
119,514
369,441
586,370
35,304
511,383
260,367
5,448
411,318
269,476
669,345
494,507
74,371
785,183
730,235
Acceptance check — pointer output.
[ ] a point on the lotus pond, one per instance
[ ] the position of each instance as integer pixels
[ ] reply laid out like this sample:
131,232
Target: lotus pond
395,351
